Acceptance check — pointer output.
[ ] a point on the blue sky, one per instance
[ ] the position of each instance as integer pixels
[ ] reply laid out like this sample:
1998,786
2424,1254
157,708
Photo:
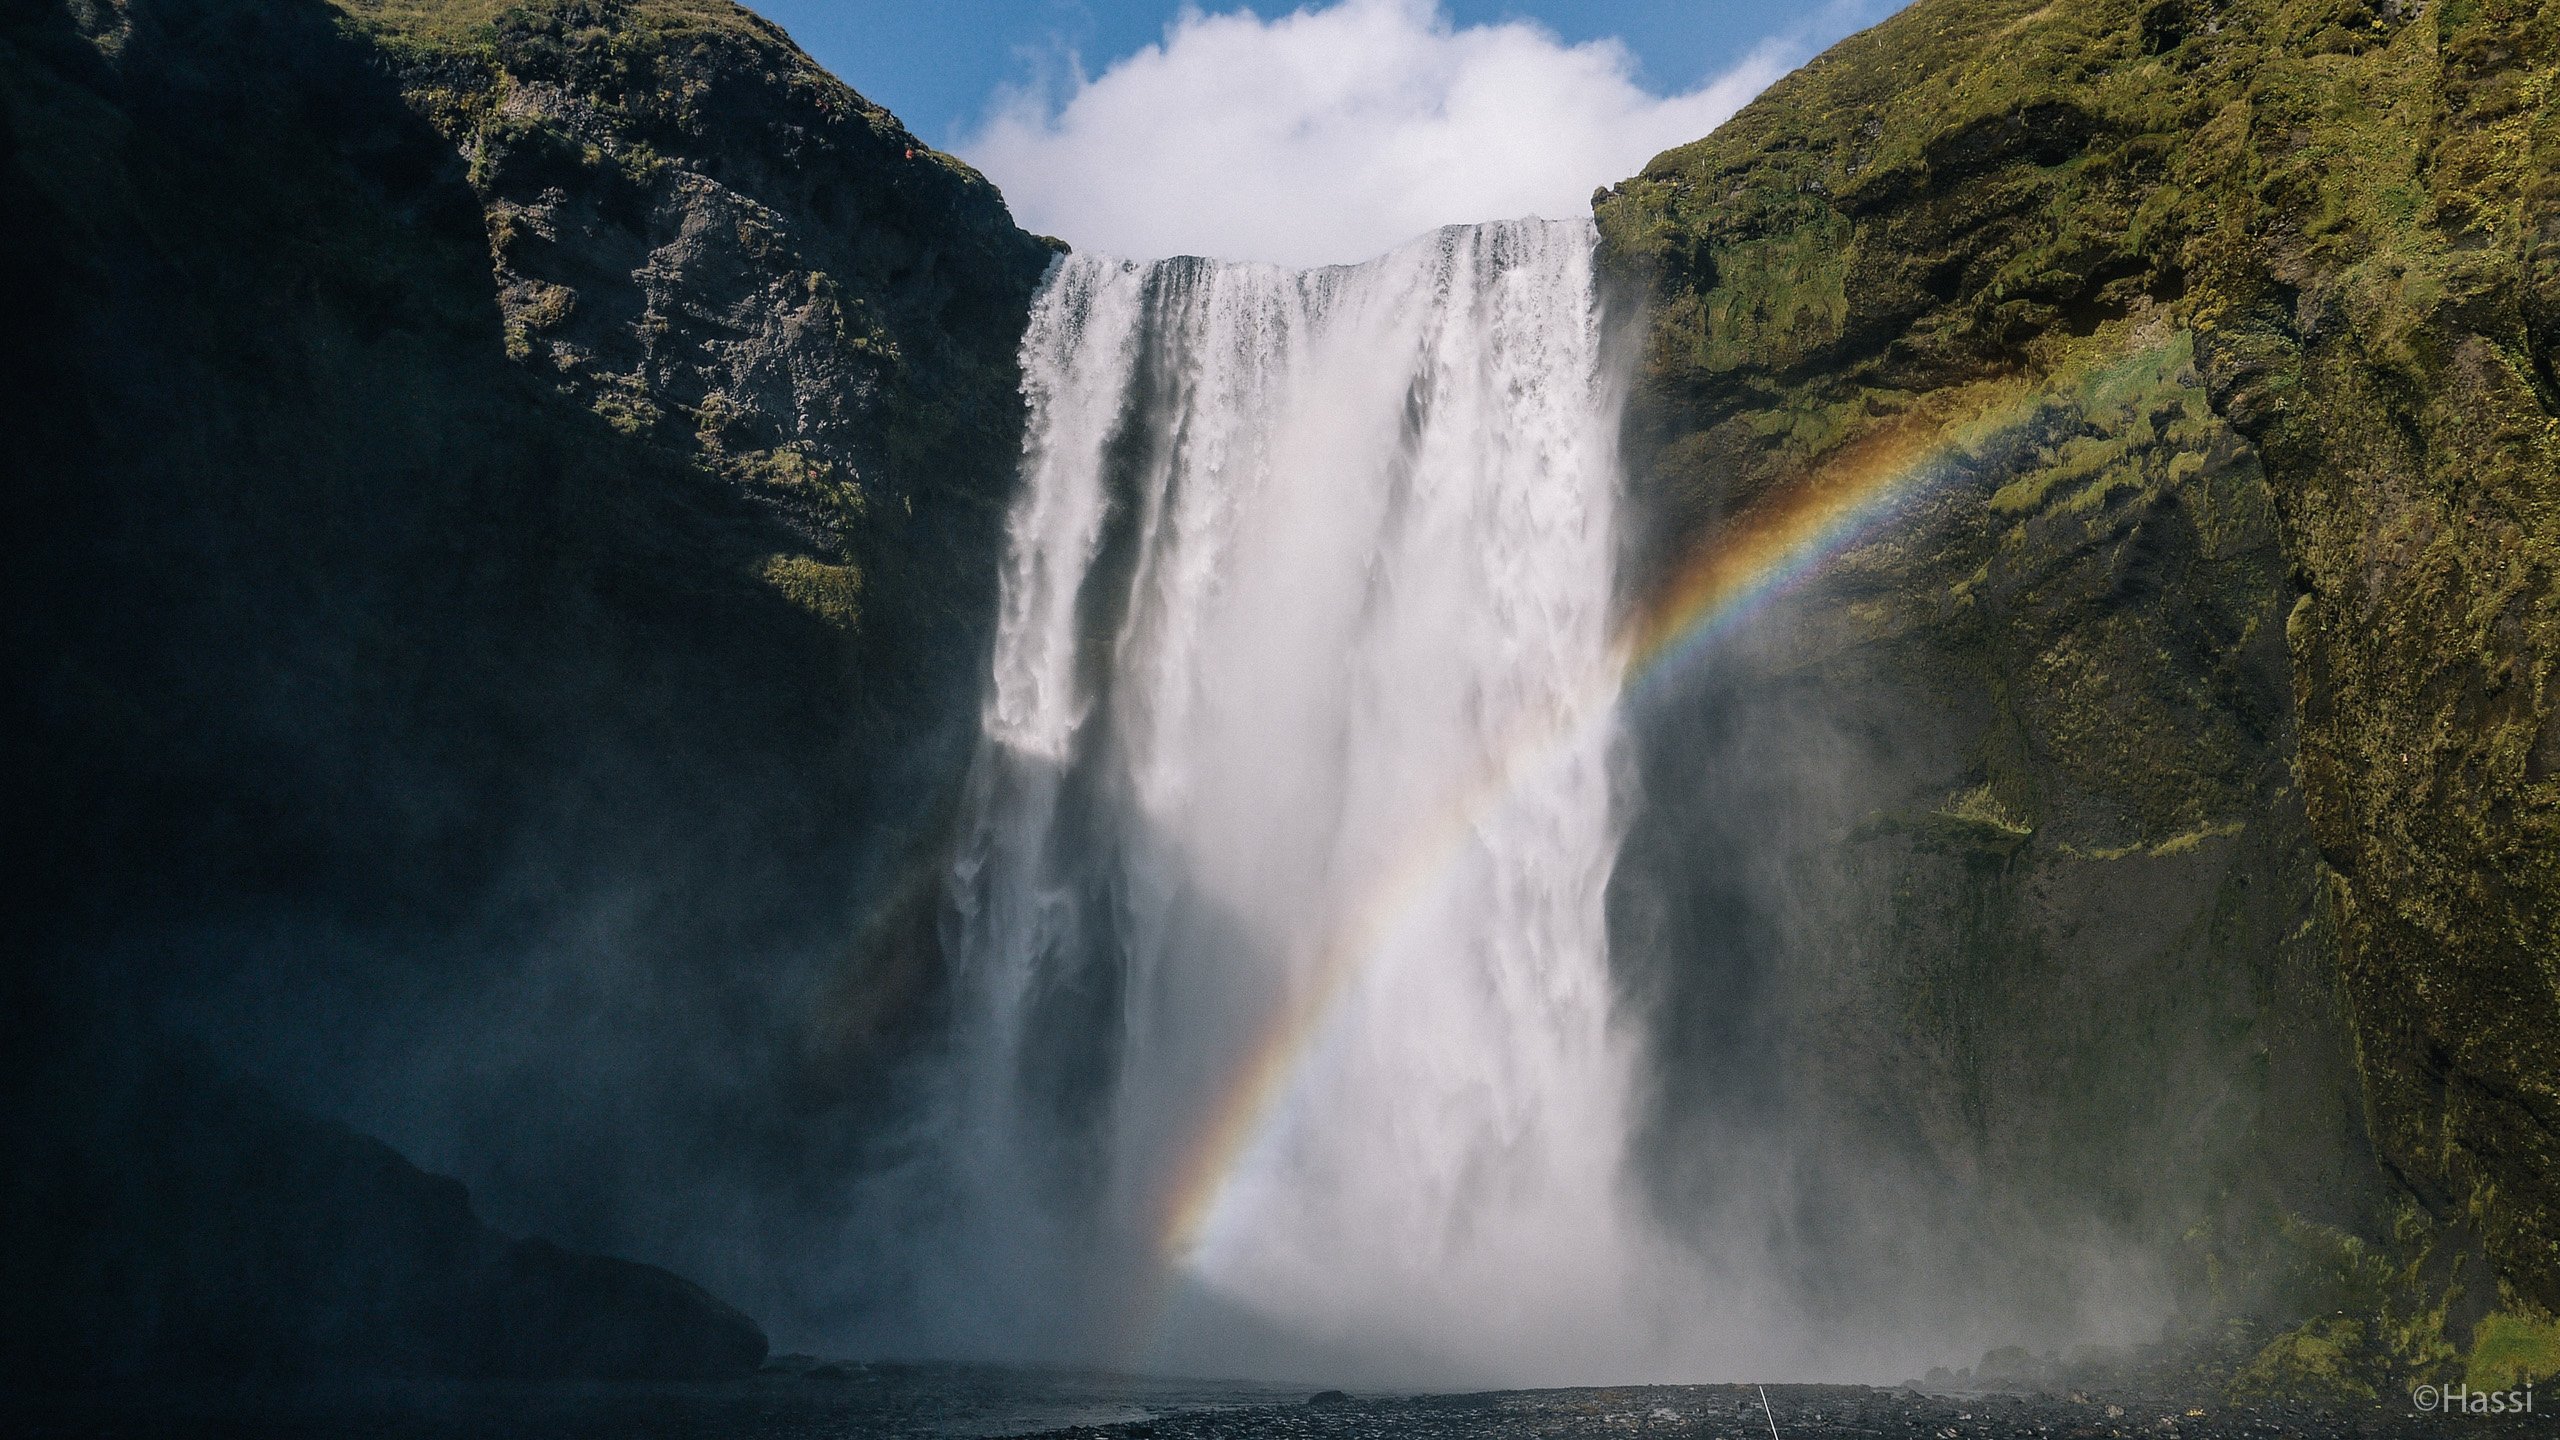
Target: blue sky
1317,134
937,65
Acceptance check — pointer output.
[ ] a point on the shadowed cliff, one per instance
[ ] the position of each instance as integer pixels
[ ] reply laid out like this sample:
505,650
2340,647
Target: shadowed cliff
503,549
190,1228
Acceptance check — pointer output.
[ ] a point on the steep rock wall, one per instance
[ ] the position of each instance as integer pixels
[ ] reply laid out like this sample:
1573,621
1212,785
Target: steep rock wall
2231,329
506,506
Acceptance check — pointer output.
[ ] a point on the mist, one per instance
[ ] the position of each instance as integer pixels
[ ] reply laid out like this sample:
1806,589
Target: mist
1321,972
1348,981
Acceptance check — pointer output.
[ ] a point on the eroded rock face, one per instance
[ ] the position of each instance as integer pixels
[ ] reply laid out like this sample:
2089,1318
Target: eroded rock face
2229,331
713,243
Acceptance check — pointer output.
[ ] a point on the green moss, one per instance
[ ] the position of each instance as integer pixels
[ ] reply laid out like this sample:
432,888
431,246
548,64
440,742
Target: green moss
472,22
542,306
2194,839
587,124
2317,1360
2280,294
2383,1314
627,407
833,593
2509,1349
1983,807
785,467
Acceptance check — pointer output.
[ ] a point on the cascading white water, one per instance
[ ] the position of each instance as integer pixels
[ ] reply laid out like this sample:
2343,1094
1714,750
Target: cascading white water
1280,934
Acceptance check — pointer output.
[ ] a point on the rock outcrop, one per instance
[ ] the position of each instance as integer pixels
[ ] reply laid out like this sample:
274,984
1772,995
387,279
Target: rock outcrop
715,245
2202,825
189,1226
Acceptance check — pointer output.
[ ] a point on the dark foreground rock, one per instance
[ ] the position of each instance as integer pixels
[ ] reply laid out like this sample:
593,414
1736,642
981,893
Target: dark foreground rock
553,1312
168,1222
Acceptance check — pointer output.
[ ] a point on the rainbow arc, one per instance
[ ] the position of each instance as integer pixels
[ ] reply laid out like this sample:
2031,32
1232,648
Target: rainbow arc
1747,561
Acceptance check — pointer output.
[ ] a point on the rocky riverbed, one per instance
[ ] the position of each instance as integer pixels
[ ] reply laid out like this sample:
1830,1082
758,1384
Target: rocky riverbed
842,1401
1730,1412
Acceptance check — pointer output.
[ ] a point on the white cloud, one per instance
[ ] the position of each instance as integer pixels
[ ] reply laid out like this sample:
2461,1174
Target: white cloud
1332,135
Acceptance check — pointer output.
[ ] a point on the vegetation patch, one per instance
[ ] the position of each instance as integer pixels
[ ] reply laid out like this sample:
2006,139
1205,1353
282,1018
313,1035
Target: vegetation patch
833,593
2512,1348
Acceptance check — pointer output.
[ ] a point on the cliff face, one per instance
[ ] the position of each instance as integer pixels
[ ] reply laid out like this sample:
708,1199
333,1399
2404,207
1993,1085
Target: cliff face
2206,803
505,508
714,245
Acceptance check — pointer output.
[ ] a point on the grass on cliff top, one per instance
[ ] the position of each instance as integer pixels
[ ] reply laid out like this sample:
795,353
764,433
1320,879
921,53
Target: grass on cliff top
638,32
466,21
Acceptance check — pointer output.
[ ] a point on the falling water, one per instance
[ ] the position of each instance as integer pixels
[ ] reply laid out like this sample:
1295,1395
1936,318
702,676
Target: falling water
1279,930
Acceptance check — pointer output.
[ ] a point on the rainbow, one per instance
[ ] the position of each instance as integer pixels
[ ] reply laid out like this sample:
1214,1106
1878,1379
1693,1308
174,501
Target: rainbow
1763,551
1748,560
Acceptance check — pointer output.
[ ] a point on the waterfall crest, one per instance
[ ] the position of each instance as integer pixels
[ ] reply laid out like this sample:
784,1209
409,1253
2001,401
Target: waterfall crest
1283,988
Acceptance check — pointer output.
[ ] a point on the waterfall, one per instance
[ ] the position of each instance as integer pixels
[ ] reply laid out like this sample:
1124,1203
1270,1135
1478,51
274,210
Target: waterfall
1277,924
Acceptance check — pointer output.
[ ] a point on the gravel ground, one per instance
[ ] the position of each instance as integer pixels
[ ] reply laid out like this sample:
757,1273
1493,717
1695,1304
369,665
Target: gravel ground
1816,1412
913,1402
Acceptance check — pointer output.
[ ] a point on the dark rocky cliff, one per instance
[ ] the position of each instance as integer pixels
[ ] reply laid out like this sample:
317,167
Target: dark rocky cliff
194,1229
2176,769
504,517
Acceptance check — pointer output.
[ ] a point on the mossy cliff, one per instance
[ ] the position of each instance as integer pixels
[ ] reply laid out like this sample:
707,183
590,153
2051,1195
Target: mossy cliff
2209,806
506,502
717,246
